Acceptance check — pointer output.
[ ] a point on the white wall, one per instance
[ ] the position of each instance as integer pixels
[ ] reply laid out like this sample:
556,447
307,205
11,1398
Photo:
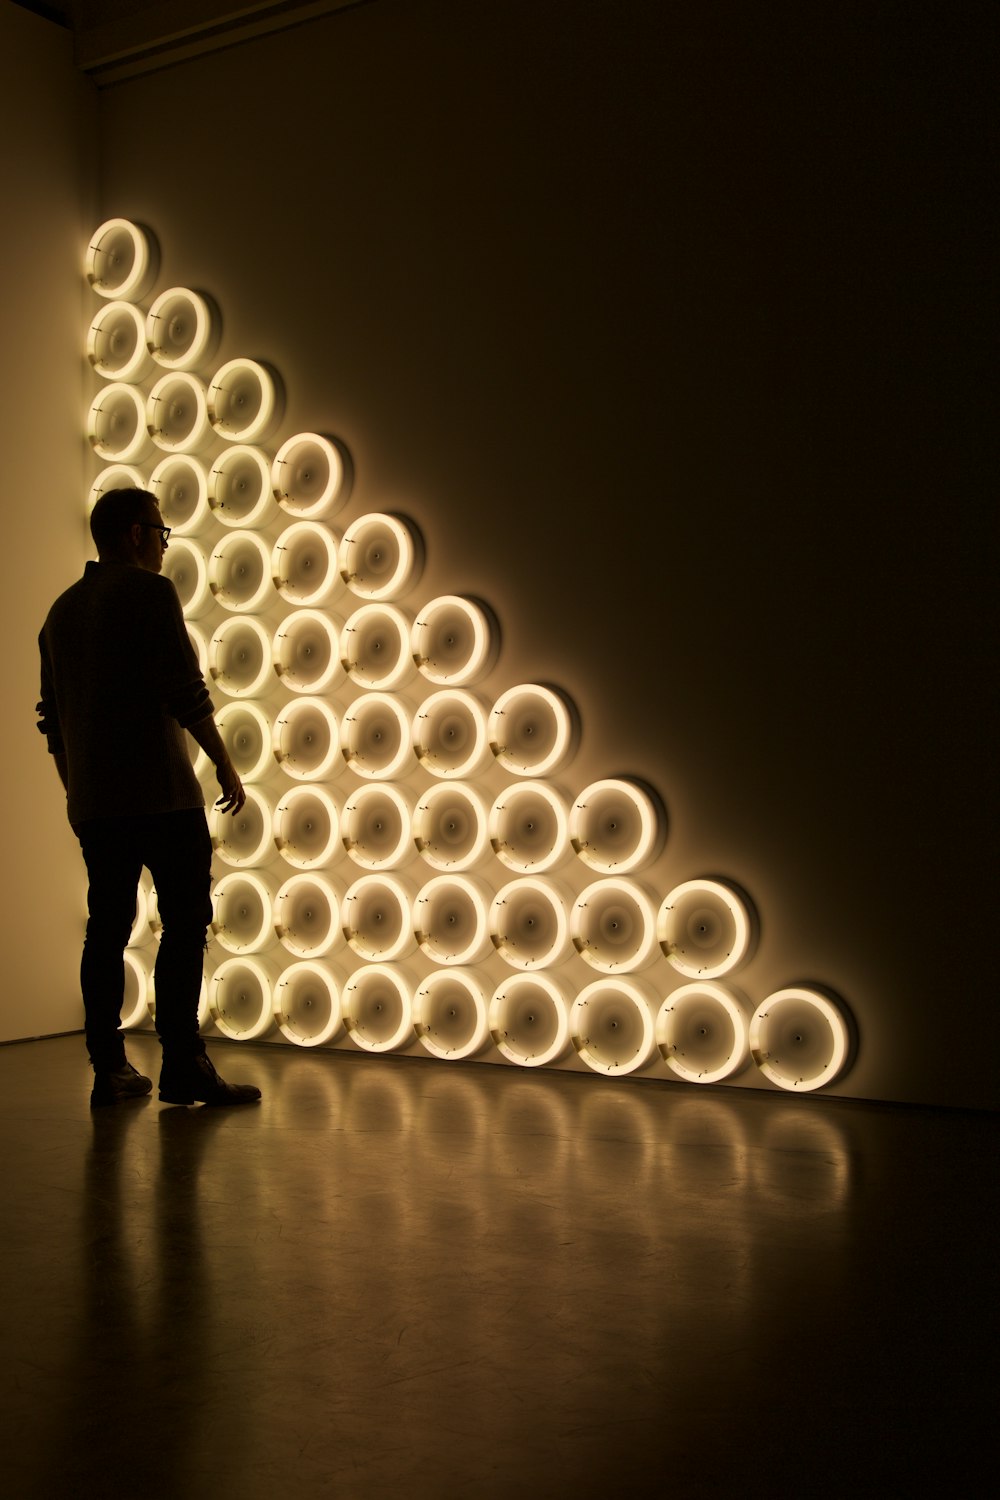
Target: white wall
48,183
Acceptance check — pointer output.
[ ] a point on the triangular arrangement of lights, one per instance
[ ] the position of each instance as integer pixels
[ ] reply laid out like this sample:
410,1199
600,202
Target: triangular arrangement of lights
396,821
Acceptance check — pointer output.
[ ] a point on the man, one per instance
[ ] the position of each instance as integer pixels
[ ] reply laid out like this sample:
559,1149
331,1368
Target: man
120,684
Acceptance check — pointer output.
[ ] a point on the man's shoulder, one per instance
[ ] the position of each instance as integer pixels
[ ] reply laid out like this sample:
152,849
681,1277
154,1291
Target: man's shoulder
104,583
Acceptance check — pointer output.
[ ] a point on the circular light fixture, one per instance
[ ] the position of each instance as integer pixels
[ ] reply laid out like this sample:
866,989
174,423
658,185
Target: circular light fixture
307,476
246,734
239,486
454,641
449,1014
614,926
529,827
529,1019
375,826
239,656
180,485
611,1025
701,1031
239,572
177,414
374,647
376,736
115,477
122,260
532,730
381,556
307,827
116,424
242,838
306,739
377,1007
704,928
304,563
376,916
181,329
450,827
138,987
240,999
242,904
799,1039
116,346
528,922
451,919
306,652
307,915
184,564
307,1004
450,738
615,827
244,401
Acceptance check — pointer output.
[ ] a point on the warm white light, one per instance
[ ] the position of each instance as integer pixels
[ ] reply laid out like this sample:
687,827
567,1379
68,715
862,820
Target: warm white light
141,917
615,827
374,647
611,1025
529,925
307,476
304,563
115,477
376,917
376,1006
240,999
701,1031
242,838
244,401
184,564
181,329
376,736
180,484
177,414
529,827
380,556
116,345
307,827
532,730
529,1019
239,572
242,905
449,734
122,260
450,827
246,734
306,652
239,657
451,919
375,826
116,424
307,915
307,1004
453,641
704,929
798,1039
199,646
449,1014
306,740
614,926
138,986
239,486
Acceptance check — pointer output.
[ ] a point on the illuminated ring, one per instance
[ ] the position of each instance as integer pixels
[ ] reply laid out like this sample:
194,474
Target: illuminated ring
317,720
307,476
451,919
246,734
449,734
180,485
240,643
614,926
239,486
296,916
247,983
311,844
528,922
380,556
688,1023
177,414
249,830
244,401
300,988
370,902
529,713
115,477
772,1045
116,424
374,647
184,565
611,1025
116,346
376,736
199,645
143,895
704,929
377,995
240,555
181,329
303,547
529,1019
122,260
254,914
529,827
454,641
375,826
450,827
449,1014
137,974
300,637
615,828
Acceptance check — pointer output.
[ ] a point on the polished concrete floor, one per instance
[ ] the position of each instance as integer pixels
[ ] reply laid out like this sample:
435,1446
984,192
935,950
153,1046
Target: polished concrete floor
406,1278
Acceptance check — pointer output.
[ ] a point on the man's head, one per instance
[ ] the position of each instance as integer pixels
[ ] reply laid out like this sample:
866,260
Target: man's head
126,526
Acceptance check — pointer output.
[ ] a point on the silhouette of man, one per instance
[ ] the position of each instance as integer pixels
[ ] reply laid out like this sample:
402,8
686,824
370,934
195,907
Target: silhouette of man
120,683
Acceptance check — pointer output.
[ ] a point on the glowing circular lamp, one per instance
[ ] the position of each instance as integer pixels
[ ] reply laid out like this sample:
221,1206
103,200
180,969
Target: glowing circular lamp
529,1020
704,928
611,1025
450,1016
799,1039
701,1031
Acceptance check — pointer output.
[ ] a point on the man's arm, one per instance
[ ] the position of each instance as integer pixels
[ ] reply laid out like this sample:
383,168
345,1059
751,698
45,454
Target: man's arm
206,734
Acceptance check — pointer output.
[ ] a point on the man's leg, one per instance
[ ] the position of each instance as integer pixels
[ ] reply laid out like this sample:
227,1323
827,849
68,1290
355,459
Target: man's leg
114,865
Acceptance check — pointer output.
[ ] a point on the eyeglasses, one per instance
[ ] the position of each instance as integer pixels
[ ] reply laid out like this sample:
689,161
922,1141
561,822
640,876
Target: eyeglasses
163,530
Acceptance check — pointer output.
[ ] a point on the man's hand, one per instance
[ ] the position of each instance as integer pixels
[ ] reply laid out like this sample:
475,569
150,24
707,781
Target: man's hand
233,795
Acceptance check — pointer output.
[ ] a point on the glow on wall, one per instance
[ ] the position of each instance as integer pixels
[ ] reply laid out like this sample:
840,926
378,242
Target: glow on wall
409,871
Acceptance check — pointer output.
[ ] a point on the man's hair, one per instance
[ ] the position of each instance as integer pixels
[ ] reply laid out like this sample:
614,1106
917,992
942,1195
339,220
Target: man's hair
115,512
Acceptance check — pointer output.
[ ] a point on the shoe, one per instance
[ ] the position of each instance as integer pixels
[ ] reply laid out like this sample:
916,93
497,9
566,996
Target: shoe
196,1079
118,1085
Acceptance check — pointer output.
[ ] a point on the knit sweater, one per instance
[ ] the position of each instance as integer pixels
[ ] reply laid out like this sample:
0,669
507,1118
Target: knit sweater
119,684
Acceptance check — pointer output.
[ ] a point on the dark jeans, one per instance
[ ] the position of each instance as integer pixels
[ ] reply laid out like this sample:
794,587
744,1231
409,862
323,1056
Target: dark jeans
176,849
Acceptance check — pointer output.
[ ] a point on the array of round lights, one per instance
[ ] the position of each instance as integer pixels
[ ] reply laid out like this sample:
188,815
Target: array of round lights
376,879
